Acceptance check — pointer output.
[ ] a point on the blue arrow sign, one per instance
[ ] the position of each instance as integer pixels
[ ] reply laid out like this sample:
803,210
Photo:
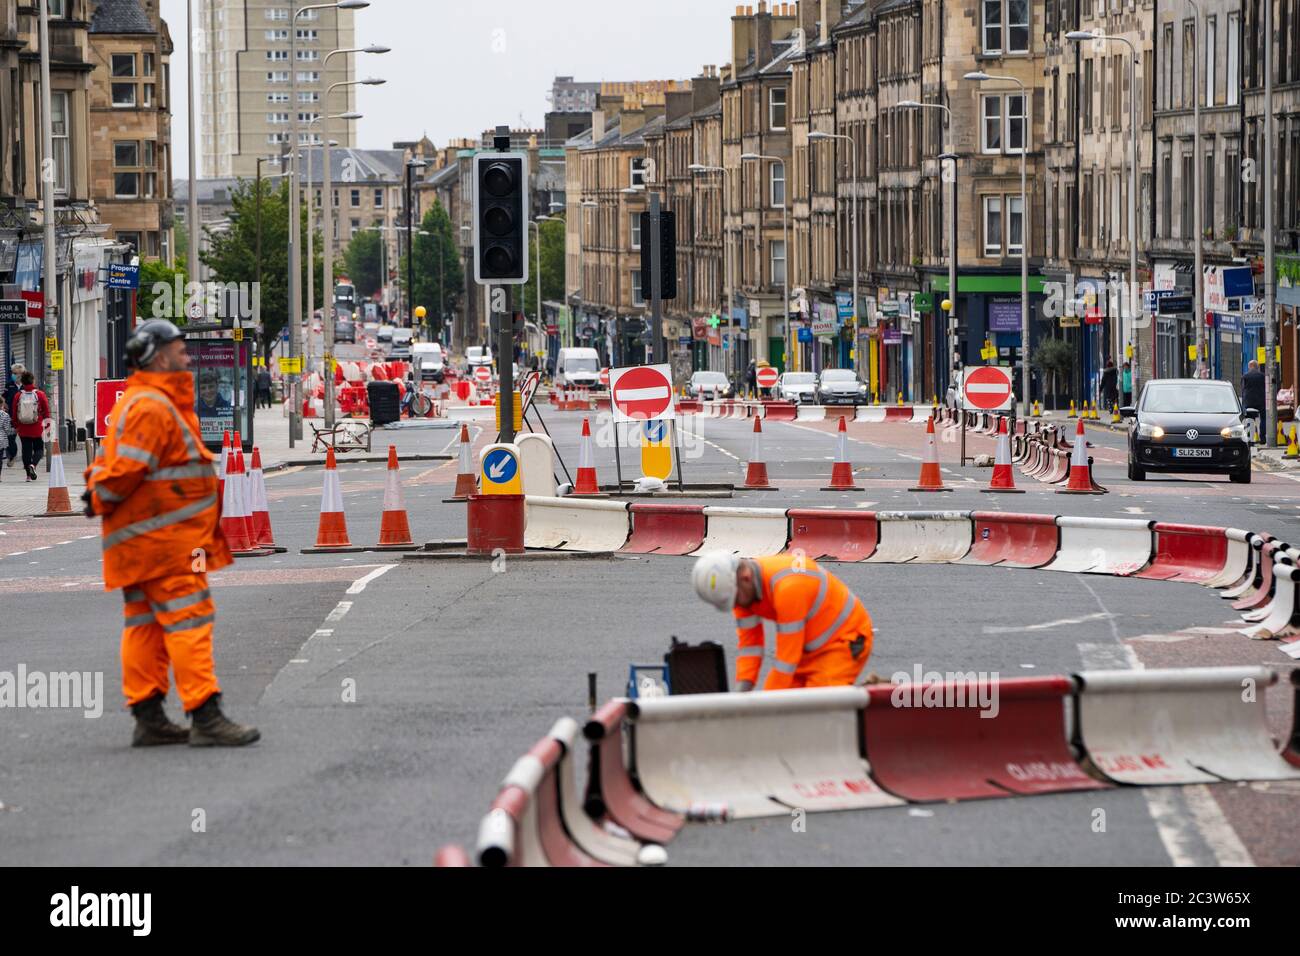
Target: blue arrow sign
655,431
500,466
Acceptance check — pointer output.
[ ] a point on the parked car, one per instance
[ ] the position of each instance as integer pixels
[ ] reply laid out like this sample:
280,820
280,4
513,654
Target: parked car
401,347
840,386
799,387
385,333
345,330
1188,425
709,385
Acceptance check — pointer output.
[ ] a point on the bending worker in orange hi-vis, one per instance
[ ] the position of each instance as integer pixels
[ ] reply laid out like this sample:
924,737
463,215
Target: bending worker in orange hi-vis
155,485
823,633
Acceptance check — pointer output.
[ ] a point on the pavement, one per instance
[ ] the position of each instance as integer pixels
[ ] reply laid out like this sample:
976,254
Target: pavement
393,696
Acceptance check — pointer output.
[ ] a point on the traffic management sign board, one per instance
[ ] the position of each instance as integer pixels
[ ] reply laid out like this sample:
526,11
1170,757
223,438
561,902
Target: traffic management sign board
604,377
767,376
986,388
500,472
642,393
107,392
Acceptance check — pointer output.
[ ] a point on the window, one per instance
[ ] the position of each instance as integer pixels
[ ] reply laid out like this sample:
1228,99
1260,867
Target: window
634,220
1189,61
356,198
150,153
1207,187
126,154
356,228
992,225
126,185
147,90
1167,58
58,8
992,26
308,55
307,97
277,13
148,64
637,297
1188,197
1009,18
777,180
636,171
1018,26
304,77
150,185
778,261
1231,196
776,108
991,130
1233,73
123,95
274,118
59,121
123,64
1015,123
309,35
379,199
277,54
1015,225
1211,42
1087,96
279,76
274,35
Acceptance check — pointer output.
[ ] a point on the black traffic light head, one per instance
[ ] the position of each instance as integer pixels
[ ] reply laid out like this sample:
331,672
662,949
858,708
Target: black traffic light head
501,218
667,255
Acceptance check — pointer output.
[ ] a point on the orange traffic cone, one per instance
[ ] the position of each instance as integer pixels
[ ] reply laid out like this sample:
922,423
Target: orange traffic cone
586,483
466,485
57,504
931,479
259,511
234,511
332,531
1003,479
1081,482
842,471
756,472
222,465
394,527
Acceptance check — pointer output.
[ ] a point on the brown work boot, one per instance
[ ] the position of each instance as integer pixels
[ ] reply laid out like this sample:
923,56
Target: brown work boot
211,728
152,728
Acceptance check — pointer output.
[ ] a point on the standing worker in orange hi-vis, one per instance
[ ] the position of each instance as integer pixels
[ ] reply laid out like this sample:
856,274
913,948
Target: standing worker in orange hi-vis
823,633
155,485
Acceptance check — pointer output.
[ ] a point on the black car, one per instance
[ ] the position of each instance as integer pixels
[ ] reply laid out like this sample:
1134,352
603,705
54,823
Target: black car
345,330
1189,425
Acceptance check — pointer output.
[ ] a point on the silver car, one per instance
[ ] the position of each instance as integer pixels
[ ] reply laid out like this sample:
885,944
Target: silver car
708,385
840,386
797,387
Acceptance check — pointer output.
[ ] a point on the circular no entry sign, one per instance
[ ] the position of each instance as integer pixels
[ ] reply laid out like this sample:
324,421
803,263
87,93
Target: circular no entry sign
767,376
643,392
483,373
987,388
604,377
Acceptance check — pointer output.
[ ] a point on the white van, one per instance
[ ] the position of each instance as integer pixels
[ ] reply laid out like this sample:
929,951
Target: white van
476,355
578,367
428,360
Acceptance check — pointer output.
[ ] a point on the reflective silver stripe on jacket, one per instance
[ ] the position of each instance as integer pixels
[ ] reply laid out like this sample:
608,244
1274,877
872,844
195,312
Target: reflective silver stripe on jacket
189,624
180,603
138,454
167,403
139,620
201,470
835,625
750,652
791,627
748,621
785,668
108,496
133,595
157,522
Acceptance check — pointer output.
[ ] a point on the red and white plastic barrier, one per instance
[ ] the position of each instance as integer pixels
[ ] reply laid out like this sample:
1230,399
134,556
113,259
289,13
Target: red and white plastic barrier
574,524
749,532
1118,546
922,537
665,529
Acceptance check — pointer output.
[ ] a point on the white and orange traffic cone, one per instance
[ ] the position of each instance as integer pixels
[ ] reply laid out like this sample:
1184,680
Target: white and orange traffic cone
931,478
57,504
586,483
234,511
466,485
756,472
259,511
842,471
394,526
332,530
1003,479
1081,482
223,465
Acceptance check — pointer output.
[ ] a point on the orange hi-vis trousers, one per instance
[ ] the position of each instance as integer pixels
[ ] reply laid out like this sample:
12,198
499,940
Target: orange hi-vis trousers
169,621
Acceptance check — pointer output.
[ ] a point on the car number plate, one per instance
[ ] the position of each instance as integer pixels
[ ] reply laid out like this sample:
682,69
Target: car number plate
1193,453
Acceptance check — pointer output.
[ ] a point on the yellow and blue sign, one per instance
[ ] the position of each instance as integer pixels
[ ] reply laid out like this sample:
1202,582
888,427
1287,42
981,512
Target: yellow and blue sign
656,450
499,470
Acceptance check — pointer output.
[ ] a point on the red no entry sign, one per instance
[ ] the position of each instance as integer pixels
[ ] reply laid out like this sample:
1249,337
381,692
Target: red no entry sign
483,373
642,393
987,388
604,377
767,376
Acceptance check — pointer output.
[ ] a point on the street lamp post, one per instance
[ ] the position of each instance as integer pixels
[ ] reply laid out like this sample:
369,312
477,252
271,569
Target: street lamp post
819,135
785,241
980,77
411,166
1131,303
698,168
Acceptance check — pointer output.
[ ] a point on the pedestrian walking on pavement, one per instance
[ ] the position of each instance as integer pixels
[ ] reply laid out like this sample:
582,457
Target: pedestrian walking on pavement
155,486
263,388
29,411
11,389
1109,385
1127,383
823,633
1252,394
6,433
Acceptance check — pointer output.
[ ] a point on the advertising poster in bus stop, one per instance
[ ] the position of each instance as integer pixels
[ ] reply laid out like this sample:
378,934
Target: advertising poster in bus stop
215,395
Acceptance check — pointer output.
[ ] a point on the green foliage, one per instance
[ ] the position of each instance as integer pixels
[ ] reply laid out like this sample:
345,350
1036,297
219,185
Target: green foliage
232,254
552,254
364,261
156,275
438,277
1053,356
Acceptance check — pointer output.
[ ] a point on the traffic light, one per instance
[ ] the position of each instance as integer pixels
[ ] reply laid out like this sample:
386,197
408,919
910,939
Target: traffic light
667,255
501,218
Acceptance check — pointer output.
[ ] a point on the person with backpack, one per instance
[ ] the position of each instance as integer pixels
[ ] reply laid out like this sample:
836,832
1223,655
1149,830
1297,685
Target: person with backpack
29,411
11,389
6,433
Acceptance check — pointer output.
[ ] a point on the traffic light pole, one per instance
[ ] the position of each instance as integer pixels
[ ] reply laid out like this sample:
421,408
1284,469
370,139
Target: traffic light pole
660,354
505,365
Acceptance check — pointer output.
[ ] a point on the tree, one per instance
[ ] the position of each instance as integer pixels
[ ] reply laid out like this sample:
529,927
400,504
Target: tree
155,277
364,260
552,254
1053,357
232,253
438,277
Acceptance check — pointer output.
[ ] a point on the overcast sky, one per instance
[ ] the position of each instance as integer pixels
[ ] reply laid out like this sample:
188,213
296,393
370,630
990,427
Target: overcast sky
458,68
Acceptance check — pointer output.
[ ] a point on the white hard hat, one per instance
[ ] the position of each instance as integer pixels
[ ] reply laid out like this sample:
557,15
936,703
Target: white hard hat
714,577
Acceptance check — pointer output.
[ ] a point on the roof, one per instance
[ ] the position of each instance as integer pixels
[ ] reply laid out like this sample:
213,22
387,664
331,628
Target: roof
781,62
362,165
120,16
449,173
207,190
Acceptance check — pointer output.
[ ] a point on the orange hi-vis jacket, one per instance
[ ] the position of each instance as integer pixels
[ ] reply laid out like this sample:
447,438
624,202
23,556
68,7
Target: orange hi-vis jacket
823,633
155,484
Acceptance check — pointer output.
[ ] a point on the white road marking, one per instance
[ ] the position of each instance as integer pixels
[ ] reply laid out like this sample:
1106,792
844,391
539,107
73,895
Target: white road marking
340,611
1047,625
359,585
